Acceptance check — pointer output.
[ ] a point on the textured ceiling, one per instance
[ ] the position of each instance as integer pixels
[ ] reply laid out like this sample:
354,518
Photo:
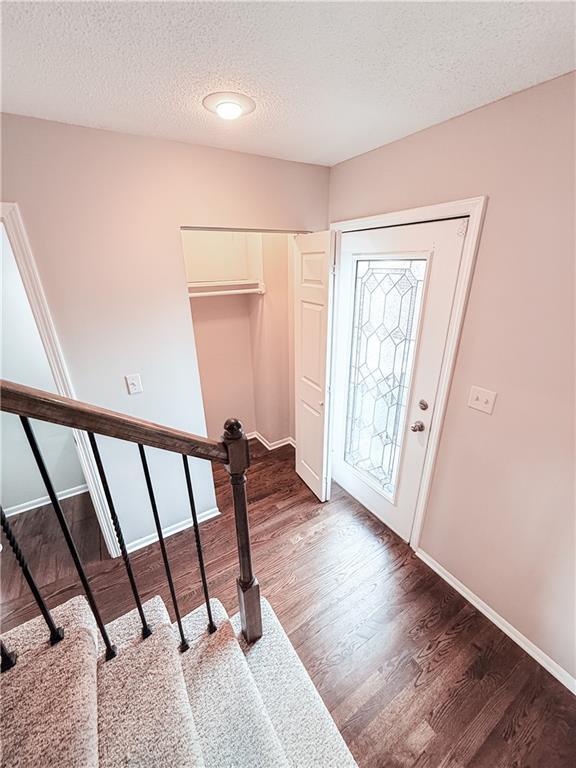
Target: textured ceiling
331,80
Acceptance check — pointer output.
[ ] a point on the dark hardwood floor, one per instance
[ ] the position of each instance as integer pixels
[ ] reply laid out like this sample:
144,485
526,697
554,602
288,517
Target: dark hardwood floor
41,540
412,674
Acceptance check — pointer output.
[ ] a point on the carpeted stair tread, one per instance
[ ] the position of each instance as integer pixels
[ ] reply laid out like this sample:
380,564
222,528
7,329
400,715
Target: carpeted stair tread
48,704
221,704
233,725
34,634
144,717
304,726
128,628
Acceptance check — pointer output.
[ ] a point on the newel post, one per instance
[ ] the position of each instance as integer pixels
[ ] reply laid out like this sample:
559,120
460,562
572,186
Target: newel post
248,588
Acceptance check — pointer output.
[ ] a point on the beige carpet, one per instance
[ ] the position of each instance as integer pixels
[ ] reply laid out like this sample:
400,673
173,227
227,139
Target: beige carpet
304,726
218,705
234,728
48,702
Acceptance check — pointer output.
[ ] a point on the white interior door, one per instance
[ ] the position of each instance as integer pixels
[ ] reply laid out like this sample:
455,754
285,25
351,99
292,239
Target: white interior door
395,292
313,259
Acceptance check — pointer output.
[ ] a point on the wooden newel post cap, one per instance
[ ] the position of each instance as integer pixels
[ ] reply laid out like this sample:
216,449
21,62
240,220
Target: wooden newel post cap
237,446
233,429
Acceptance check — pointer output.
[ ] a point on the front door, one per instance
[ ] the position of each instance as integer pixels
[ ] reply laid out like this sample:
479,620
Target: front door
394,299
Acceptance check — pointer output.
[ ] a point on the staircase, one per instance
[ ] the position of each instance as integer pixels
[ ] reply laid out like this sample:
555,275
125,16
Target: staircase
220,704
205,692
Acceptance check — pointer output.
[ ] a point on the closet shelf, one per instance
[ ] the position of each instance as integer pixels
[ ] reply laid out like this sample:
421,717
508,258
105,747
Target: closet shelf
225,288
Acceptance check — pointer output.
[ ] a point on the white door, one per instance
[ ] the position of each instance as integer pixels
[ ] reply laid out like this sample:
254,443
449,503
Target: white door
313,259
395,292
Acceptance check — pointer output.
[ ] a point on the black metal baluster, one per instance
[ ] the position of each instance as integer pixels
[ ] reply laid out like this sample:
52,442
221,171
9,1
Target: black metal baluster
56,633
146,629
211,625
183,642
8,658
110,649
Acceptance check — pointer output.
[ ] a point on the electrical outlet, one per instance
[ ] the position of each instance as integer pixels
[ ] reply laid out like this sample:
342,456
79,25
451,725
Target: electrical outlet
134,383
482,399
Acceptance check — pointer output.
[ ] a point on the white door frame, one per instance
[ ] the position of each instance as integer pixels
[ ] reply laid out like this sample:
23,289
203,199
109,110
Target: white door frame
474,208
12,220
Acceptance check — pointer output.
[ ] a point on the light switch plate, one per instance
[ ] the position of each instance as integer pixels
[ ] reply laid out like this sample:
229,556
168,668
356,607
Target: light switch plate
134,383
482,399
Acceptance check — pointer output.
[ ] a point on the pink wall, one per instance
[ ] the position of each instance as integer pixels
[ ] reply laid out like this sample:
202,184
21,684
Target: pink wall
224,349
251,337
271,339
103,212
501,516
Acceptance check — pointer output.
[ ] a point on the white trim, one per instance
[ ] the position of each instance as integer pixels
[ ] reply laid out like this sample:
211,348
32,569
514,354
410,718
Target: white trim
42,501
474,208
209,514
447,210
527,645
274,444
12,219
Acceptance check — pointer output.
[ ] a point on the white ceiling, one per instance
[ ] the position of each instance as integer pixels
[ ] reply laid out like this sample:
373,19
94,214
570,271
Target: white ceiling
331,80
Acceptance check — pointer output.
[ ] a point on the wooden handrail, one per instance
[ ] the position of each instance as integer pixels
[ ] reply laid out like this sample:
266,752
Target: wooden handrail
45,406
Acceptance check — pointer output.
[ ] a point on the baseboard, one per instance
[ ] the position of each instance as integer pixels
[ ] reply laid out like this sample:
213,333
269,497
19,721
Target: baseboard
527,645
171,529
26,506
275,444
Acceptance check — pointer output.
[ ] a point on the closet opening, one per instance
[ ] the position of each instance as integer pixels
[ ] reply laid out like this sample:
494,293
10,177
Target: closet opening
240,286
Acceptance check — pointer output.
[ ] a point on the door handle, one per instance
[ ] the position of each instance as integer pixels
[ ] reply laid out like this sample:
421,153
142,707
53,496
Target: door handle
418,426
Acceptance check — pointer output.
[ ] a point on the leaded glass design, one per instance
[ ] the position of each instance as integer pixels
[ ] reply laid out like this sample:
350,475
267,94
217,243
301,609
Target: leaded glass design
387,301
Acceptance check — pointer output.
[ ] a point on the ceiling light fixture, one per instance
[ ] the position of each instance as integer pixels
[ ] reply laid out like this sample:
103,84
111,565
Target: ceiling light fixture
229,105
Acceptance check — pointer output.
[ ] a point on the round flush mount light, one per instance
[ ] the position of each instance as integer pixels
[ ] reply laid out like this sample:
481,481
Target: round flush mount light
229,105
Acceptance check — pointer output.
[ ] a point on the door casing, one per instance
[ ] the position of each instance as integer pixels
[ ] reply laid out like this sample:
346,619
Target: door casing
473,208
16,232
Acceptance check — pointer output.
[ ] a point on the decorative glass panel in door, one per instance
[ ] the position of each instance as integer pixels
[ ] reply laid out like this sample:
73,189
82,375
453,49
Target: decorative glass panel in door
387,303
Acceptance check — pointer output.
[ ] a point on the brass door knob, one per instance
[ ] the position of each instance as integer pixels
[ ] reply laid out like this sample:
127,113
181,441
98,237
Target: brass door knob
418,426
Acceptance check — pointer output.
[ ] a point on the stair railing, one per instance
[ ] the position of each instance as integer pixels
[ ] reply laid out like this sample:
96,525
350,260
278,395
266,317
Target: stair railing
232,451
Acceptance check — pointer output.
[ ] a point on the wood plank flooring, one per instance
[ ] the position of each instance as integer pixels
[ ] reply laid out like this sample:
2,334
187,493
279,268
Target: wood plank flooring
41,540
412,674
